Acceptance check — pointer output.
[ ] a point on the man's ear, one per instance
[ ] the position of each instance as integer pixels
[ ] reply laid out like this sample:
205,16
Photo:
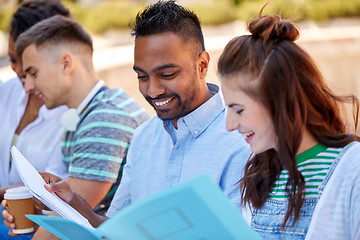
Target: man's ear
203,60
67,63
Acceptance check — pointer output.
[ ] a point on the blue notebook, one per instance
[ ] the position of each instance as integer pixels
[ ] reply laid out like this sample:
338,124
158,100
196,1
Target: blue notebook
196,209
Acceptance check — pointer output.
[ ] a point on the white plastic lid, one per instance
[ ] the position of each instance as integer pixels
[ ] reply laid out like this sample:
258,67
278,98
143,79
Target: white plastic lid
17,193
23,231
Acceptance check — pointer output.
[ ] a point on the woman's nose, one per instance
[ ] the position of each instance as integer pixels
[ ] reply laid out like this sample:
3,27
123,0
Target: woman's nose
231,121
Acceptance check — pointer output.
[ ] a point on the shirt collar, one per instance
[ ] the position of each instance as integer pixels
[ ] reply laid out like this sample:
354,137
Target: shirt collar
46,113
94,101
198,120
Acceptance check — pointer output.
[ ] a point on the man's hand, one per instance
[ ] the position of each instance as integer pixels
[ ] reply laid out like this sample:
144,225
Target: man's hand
59,186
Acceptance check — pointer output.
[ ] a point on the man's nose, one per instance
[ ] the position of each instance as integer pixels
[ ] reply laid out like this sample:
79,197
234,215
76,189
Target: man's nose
28,85
155,88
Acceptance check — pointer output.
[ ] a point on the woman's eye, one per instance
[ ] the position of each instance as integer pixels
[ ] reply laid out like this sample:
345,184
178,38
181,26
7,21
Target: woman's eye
239,111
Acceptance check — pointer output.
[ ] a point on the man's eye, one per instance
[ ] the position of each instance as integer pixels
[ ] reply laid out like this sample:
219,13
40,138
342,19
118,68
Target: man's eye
142,78
168,76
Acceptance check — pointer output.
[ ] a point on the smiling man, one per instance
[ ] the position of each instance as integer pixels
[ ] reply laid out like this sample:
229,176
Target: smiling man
170,60
187,138
168,79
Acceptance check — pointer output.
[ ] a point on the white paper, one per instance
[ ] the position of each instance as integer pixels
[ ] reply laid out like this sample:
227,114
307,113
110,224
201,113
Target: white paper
35,183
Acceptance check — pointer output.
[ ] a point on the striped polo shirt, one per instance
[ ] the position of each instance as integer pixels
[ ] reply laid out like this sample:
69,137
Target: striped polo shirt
97,149
313,164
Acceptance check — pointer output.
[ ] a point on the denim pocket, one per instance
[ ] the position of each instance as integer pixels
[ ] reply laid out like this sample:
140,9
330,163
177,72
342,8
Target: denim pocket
268,219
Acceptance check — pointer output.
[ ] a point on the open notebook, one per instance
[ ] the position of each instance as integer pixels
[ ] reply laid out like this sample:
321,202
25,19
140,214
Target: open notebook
196,209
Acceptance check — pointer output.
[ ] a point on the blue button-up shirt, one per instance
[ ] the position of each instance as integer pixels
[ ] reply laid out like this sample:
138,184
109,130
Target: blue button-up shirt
161,156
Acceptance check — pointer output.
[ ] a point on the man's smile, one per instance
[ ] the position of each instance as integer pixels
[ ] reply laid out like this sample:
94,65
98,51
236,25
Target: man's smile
162,102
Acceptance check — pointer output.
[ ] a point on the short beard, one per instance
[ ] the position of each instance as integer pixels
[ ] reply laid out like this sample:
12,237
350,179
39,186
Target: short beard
163,114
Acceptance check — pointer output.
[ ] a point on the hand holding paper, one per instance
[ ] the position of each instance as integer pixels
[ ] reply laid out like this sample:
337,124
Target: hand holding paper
58,186
35,183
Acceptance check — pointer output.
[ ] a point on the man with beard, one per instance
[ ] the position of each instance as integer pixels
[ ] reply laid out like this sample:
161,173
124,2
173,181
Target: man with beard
187,138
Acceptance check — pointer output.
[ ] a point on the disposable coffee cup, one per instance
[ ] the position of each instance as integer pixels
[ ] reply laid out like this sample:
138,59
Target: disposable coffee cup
20,202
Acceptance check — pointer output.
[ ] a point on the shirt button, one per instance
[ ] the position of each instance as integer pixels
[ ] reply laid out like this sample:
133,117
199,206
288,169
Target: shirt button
172,146
196,132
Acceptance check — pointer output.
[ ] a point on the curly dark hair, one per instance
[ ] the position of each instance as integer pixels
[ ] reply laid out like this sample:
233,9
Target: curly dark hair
167,16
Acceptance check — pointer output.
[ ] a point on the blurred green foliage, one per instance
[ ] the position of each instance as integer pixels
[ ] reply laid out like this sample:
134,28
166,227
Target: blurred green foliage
105,16
217,13
117,14
325,9
5,17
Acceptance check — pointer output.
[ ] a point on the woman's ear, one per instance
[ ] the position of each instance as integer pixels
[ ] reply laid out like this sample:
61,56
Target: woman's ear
203,60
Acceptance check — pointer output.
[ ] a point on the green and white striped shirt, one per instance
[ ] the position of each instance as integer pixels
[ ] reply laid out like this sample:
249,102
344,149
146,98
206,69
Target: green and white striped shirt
313,164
